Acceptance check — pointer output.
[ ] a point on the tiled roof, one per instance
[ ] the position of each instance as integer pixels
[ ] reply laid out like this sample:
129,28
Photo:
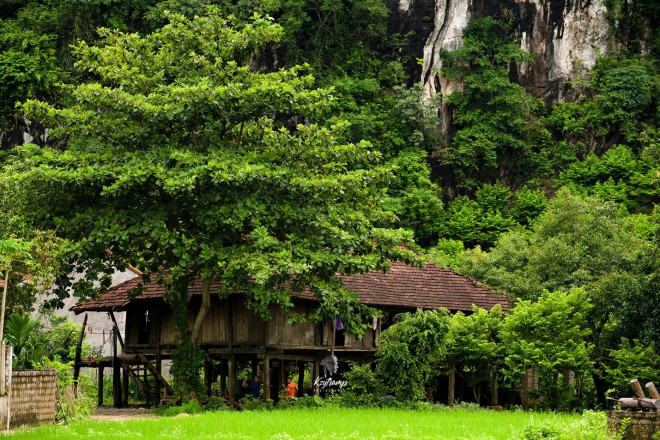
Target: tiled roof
402,286
431,287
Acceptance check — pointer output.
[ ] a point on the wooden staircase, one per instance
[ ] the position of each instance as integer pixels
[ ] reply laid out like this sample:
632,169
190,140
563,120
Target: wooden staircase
147,378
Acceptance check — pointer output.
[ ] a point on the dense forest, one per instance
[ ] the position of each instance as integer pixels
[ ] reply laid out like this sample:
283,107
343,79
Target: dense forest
532,193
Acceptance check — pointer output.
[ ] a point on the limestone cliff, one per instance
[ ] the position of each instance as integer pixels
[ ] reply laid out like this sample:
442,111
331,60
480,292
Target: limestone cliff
565,36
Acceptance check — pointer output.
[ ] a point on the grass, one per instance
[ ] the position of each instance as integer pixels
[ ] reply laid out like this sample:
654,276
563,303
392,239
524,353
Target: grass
308,424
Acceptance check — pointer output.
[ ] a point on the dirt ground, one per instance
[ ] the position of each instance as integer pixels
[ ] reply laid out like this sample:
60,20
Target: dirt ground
112,414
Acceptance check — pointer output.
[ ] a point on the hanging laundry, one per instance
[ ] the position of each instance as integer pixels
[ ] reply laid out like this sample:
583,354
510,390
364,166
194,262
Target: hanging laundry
338,324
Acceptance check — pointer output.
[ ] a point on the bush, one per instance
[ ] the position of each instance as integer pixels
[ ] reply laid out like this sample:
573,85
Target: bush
550,334
216,403
70,406
407,349
25,335
255,404
591,426
633,360
362,387
466,406
190,407
301,402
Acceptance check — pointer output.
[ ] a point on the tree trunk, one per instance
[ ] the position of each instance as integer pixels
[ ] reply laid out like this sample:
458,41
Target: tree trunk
203,310
601,387
451,388
494,398
2,310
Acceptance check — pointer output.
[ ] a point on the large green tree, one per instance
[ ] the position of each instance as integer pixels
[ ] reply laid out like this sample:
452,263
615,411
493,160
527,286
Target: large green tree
185,160
474,349
408,351
551,335
577,243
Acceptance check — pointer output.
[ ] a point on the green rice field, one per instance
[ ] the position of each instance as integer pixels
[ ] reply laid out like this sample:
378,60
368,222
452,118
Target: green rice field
308,423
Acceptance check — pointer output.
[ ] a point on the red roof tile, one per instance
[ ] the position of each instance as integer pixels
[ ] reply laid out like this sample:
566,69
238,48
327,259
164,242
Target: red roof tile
402,286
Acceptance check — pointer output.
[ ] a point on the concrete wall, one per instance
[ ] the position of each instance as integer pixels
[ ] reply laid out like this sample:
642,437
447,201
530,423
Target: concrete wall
5,384
33,397
99,322
530,384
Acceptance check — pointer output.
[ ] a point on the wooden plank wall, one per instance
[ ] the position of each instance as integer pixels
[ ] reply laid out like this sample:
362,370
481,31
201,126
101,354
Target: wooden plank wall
248,327
215,326
280,332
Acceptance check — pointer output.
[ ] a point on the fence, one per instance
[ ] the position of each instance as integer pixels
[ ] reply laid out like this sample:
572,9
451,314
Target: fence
5,384
33,397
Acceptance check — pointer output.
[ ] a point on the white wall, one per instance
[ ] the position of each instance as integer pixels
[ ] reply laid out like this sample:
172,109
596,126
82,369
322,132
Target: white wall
99,325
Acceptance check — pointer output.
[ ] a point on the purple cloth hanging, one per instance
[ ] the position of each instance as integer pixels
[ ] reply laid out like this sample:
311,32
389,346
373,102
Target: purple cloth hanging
338,323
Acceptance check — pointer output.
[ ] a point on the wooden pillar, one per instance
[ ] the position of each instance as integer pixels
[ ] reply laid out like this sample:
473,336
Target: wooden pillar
255,367
231,379
428,393
114,321
208,377
116,372
301,378
124,388
223,376
267,378
653,392
159,368
145,380
100,385
76,360
334,334
282,375
451,388
215,373
316,375
637,389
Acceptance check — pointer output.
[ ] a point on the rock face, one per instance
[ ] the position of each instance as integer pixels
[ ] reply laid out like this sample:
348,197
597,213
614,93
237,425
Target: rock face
565,36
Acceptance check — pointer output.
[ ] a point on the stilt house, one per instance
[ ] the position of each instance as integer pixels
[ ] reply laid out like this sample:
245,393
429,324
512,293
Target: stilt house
232,333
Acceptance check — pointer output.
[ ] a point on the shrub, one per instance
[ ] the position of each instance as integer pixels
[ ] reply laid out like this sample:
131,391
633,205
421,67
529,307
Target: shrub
254,404
633,360
362,387
216,403
407,349
24,334
190,407
301,402
550,334
591,426
70,406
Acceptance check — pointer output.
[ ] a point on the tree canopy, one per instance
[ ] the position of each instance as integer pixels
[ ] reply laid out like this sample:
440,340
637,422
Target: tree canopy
187,161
